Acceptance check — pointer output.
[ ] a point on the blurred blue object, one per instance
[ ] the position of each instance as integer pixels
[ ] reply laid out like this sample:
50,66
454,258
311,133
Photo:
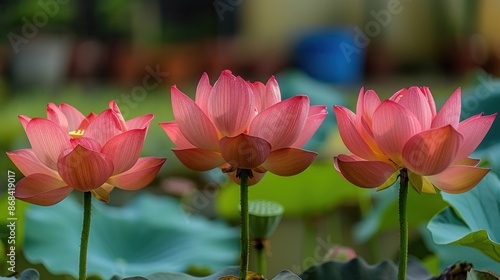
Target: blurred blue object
293,82
331,56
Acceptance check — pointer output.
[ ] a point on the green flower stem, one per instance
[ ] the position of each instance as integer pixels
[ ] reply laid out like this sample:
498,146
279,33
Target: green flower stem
87,207
243,174
403,224
261,261
260,246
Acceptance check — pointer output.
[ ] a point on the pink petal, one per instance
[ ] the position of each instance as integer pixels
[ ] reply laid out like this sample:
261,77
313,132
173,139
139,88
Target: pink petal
257,176
203,92
48,140
24,121
175,135
193,123
312,124
416,102
393,125
140,175
450,112
85,122
272,94
467,161
459,178
370,102
73,116
473,129
116,111
364,174
244,151
289,161
42,189
86,142
139,122
231,105
430,100
28,163
282,123
350,135
199,159
360,104
104,127
57,116
431,151
124,149
84,169
317,110
420,184
259,92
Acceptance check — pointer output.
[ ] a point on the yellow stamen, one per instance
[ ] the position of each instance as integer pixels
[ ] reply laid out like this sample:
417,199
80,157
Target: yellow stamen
77,133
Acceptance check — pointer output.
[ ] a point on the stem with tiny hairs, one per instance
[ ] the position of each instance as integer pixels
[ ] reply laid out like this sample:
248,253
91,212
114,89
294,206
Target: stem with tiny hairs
403,224
243,174
87,207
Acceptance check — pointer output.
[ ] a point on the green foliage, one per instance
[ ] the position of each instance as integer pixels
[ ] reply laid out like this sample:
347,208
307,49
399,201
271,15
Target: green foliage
20,208
149,235
472,218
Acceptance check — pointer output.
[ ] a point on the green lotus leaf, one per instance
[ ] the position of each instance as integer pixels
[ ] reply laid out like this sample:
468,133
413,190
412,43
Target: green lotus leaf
316,190
149,235
449,254
472,218
230,271
28,274
358,269
482,275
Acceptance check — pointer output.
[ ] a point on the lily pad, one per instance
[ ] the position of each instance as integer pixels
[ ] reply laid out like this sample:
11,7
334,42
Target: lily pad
358,269
316,190
449,254
472,218
149,235
230,271
28,274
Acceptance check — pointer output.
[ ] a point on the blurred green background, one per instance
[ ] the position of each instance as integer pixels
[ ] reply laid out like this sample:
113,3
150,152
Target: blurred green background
87,52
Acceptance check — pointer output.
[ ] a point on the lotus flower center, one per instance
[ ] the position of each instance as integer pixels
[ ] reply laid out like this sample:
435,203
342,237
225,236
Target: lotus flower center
77,133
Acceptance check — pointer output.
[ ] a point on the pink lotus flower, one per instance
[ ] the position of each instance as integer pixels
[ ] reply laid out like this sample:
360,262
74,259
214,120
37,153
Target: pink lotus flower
407,132
243,125
93,153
